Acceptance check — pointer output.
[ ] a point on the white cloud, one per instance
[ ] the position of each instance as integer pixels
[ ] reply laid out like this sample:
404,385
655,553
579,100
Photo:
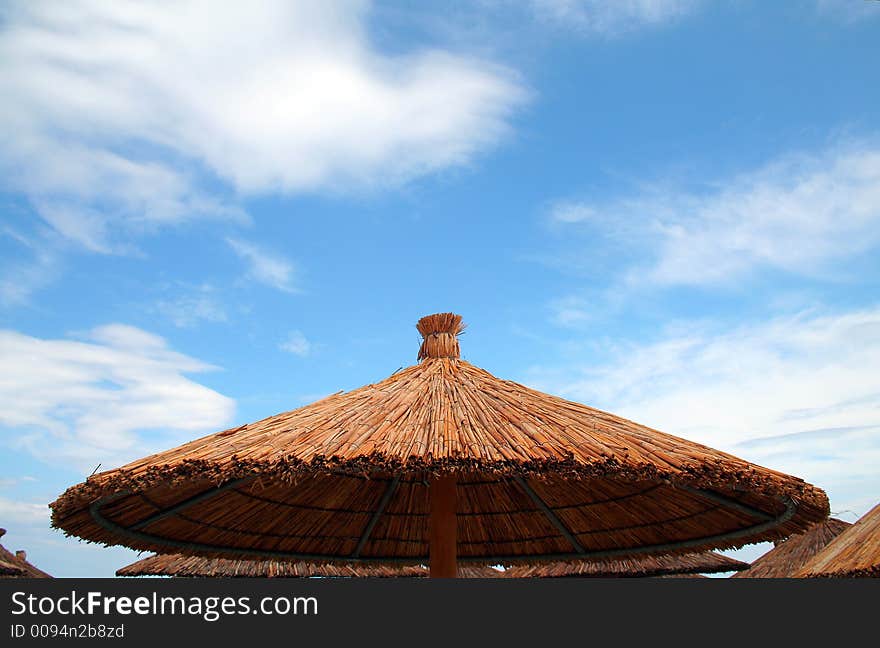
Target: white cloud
22,512
799,214
116,395
267,267
799,394
117,117
297,344
611,18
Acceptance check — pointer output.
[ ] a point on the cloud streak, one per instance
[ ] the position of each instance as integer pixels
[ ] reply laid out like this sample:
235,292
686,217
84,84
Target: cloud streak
24,513
799,214
21,276
847,12
297,344
799,394
191,306
264,266
116,394
611,18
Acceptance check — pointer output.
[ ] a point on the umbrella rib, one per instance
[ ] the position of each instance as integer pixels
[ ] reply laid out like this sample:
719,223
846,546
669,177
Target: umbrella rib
190,501
386,497
549,514
726,501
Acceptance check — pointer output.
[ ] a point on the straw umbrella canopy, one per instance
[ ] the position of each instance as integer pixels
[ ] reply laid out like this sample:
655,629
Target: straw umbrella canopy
9,569
200,567
703,562
197,566
475,571
15,565
855,553
791,554
441,462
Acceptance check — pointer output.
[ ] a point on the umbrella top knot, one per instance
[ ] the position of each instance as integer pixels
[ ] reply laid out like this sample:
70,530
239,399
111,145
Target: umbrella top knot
439,333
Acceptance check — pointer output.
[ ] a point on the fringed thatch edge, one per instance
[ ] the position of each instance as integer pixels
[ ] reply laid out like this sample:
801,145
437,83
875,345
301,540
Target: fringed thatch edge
147,567
805,504
868,572
8,569
733,565
788,557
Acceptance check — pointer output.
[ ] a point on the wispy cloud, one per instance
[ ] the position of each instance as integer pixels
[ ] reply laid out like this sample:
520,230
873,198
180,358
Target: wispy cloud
800,214
297,344
24,513
119,118
22,276
114,395
847,11
800,394
570,311
265,266
611,18
189,306
99,199
567,211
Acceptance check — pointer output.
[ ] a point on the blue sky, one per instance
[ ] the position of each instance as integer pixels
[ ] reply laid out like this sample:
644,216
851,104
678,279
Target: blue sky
667,209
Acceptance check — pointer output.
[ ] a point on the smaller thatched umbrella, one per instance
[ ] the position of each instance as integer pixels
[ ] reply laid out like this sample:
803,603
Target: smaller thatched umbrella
791,554
477,571
8,569
855,553
198,567
16,565
706,562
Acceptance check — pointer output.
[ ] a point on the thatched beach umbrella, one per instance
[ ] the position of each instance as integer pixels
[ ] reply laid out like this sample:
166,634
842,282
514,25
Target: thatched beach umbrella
9,569
16,565
200,567
855,553
474,571
703,562
439,463
791,554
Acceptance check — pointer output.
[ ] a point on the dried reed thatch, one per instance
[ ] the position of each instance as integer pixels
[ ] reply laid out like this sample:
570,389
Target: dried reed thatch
704,562
195,566
855,553
15,565
478,571
791,554
9,569
514,474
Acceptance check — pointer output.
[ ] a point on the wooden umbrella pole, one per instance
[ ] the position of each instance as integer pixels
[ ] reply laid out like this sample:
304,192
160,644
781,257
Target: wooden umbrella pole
442,527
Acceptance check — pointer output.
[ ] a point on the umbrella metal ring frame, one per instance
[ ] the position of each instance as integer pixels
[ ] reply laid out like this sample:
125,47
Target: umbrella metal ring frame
442,494
441,462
